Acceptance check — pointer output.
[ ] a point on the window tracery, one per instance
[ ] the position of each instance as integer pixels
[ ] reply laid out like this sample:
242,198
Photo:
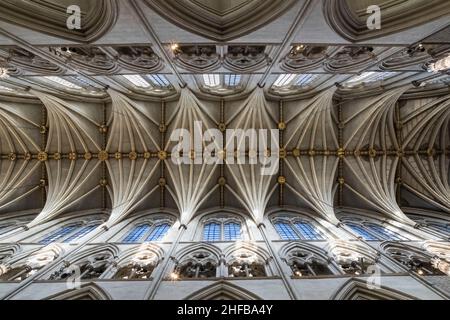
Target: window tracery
296,229
200,264
89,268
353,263
304,263
419,263
222,229
70,233
148,231
247,264
371,231
140,267
21,271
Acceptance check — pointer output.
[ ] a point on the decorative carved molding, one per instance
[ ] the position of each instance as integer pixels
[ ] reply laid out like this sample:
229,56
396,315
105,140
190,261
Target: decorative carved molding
49,17
350,58
110,60
348,17
305,57
220,20
137,58
246,58
197,58
19,60
91,59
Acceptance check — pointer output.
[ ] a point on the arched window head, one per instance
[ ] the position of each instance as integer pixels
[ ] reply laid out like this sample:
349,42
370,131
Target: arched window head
32,265
354,263
385,233
419,263
440,227
154,231
296,229
371,231
246,264
222,229
306,264
197,265
437,225
140,267
89,268
70,233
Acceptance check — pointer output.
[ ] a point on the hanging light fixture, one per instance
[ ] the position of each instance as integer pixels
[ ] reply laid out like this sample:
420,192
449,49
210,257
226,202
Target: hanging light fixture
440,65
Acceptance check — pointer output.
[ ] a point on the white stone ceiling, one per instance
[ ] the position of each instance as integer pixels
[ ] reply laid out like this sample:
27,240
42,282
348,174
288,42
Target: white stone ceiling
86,116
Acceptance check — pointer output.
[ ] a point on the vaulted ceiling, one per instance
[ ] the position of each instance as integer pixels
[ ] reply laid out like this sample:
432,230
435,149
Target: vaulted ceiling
87,114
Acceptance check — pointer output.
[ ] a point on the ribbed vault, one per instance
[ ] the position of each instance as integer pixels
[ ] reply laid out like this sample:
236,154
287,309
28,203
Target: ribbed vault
127,155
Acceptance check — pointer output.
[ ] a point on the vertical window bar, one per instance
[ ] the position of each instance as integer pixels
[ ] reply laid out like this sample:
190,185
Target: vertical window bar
385,233
136,234
80,233
307,231
232,231
286,231
62,232
360,231
211,232
158,232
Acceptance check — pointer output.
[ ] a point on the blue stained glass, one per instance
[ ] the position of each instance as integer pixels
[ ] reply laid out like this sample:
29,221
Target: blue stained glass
286,231
307,231
62,232
361,232
81,233
385,233
211,232
232,231
158,232
136,234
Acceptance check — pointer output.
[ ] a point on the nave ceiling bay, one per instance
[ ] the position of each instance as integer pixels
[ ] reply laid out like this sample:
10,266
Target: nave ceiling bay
380,153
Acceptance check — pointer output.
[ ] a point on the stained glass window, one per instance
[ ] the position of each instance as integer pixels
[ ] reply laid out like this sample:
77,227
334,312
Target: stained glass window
59,234
307,231
81,233
211,232
232,231
286,231
158,232
360,231
137,233
384,233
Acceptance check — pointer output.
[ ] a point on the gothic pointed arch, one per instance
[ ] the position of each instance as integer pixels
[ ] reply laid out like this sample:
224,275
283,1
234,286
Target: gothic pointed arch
313,177
50,17
348,18
88,291
220,20
370,135
357,289
222,290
